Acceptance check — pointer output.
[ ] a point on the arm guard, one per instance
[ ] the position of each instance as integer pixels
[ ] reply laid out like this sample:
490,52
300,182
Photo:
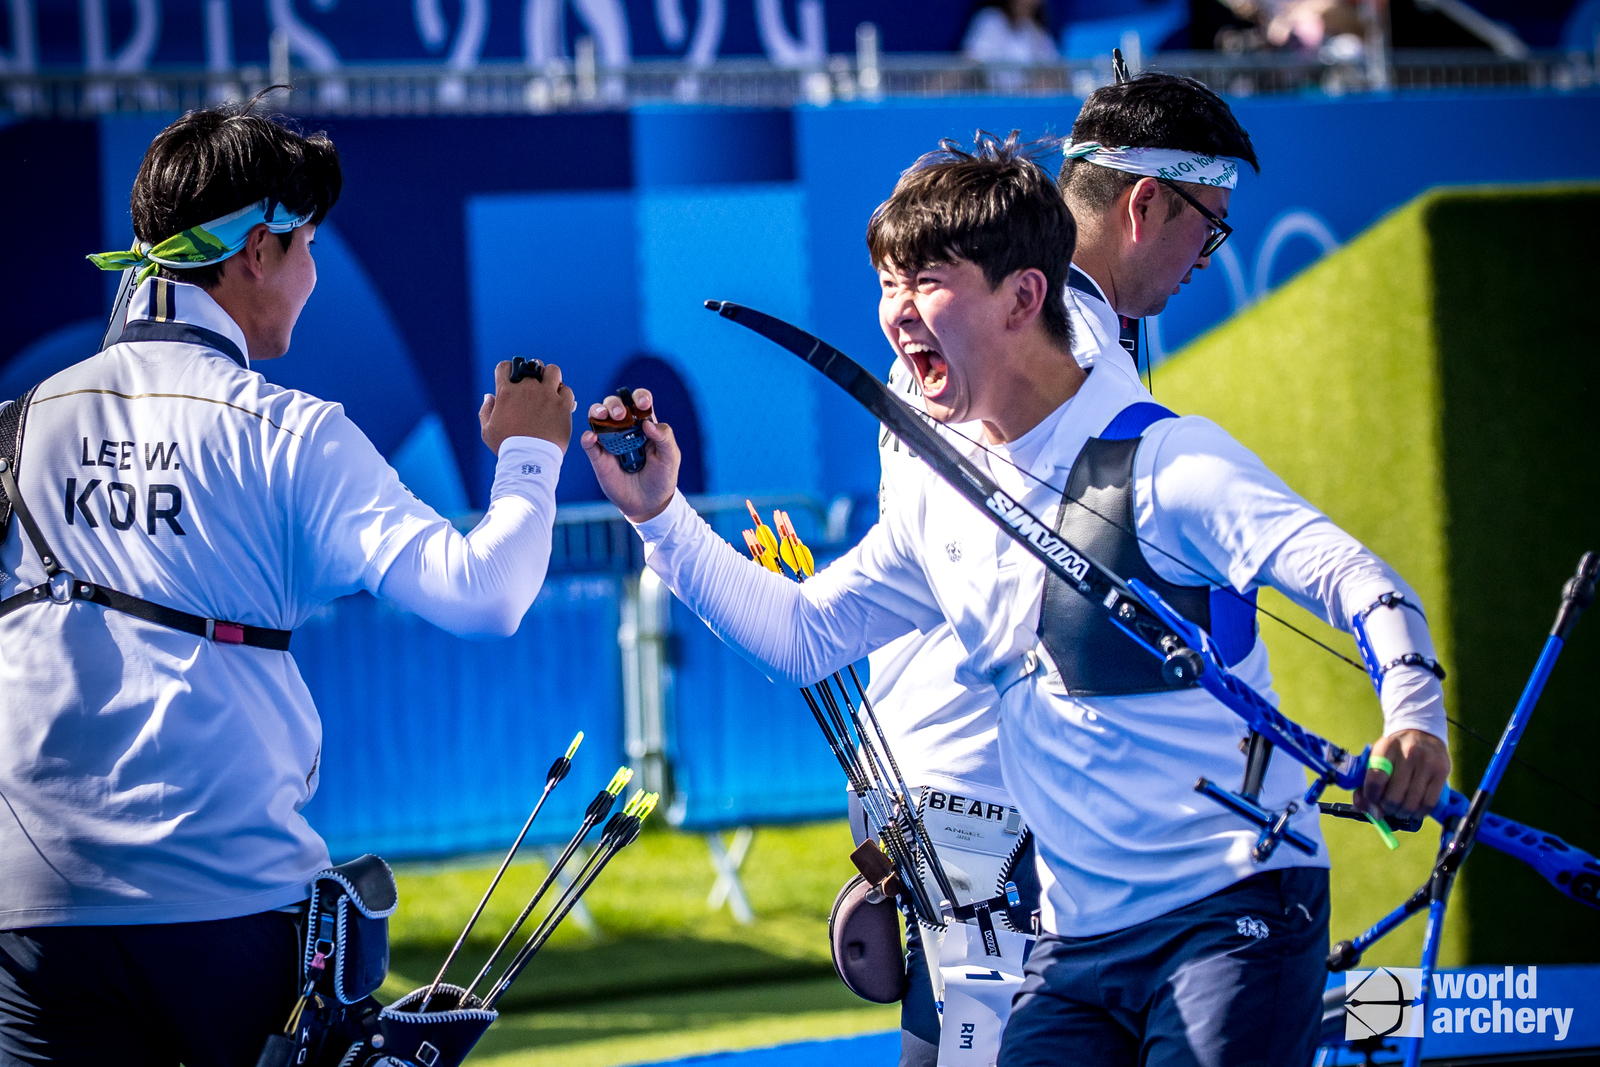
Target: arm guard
1392,632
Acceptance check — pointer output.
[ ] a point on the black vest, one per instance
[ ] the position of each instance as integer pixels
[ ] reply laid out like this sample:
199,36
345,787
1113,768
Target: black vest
1094,657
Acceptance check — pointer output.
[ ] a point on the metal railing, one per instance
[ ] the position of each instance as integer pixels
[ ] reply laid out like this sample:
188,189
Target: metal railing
513,88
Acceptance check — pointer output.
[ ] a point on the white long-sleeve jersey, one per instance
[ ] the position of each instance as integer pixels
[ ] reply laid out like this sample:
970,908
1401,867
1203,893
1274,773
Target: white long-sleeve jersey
153,776
946,733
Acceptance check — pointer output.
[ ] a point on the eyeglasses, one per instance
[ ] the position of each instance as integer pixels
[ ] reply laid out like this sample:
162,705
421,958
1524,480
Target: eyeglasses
1220,231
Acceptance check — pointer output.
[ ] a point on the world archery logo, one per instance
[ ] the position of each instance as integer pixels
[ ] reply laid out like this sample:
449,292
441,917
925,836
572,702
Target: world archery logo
1381,1003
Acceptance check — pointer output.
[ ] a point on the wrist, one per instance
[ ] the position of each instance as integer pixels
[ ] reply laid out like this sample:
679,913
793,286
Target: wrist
642,517
1413,699
657,521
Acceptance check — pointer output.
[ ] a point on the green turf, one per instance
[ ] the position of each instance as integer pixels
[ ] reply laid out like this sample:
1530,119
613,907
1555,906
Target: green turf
1432,387
655,931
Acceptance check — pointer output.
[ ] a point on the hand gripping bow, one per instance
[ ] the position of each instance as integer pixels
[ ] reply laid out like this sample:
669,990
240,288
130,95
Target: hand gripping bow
1189,656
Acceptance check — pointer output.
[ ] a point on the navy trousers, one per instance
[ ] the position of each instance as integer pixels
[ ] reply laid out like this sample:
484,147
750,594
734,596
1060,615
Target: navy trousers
1234,980
203,994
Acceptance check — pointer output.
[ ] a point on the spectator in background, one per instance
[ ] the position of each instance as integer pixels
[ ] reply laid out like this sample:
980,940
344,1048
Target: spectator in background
1010,31
1334,29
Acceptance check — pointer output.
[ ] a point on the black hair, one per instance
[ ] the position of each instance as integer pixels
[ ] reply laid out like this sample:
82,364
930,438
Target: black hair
215,161
994,206
1151,111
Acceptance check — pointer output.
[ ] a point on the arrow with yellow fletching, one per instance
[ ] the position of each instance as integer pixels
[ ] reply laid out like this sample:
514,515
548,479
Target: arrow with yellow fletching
802,562
759,552
764,534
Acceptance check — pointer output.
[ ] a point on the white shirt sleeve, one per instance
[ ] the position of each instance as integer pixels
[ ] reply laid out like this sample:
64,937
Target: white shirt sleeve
1212,509
481,584
1334,576
358,527
795,633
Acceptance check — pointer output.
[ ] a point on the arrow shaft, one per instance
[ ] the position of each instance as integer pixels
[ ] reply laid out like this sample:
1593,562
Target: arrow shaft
550,877
487,893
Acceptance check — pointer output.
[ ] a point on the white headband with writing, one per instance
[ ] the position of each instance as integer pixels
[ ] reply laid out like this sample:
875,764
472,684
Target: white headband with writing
1172,164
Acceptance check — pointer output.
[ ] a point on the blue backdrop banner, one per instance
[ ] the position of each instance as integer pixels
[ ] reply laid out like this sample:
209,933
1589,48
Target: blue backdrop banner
592,239
433,745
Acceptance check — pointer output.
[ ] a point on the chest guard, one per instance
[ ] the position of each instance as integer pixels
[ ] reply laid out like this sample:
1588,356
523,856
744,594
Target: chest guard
1093,656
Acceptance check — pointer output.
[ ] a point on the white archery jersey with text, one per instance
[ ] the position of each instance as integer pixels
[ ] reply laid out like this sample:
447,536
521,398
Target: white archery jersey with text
1105,783
945,733
151,775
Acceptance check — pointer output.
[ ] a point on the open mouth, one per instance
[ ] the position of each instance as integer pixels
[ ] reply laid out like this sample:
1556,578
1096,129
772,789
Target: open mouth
930,366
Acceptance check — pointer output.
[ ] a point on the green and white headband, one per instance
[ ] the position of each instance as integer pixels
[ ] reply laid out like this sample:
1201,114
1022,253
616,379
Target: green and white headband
1172,164
203,245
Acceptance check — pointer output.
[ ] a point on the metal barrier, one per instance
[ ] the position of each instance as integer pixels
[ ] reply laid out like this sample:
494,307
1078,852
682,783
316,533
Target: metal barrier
514,88
703,726
742,749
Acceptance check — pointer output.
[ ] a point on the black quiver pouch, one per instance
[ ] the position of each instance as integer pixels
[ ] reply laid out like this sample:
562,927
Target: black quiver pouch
350,905
348,927
370,1035
345,960
439,1037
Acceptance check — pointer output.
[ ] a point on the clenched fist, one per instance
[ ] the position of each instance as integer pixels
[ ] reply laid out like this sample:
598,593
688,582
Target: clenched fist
529,408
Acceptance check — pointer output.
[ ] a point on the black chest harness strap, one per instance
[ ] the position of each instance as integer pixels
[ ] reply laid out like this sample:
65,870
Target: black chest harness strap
62,587
1091,656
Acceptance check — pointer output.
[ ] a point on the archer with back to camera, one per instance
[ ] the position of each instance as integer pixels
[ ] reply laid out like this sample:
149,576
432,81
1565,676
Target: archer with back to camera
177,517
1164,940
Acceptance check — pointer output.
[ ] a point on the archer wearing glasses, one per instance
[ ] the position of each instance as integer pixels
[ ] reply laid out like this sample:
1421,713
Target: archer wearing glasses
1141,241
1220,231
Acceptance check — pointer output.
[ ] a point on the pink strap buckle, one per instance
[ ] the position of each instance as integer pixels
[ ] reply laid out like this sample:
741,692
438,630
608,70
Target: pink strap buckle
227,633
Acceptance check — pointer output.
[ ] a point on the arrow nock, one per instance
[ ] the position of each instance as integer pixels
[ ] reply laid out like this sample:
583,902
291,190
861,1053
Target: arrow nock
572,749
759,553
620,780
764,534
803,563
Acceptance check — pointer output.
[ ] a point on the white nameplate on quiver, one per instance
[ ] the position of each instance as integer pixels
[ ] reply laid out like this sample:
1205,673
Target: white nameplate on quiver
977,993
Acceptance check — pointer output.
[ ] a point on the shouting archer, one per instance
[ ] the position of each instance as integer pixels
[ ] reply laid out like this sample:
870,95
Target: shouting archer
1164,940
